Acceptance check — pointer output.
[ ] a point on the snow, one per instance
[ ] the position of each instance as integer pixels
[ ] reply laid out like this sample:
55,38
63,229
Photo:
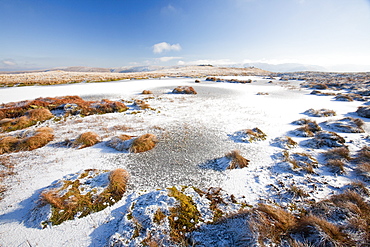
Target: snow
192,129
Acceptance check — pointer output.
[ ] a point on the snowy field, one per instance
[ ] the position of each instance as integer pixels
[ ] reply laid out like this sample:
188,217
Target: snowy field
192,130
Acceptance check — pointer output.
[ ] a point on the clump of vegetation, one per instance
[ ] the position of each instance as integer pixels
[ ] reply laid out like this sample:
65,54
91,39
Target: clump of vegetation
346,125
342,97
75,198
308,129
30,117
228,80
237,160
183,217
143,143
284,142
320,113
184,90
326,139
300,161
297,191
271,224
262,93
147,92
86,139
249,135
364,111
142,104
341,153
27,141
128,143
30,112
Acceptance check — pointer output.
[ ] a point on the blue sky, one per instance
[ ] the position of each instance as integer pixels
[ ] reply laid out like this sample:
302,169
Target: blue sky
112,33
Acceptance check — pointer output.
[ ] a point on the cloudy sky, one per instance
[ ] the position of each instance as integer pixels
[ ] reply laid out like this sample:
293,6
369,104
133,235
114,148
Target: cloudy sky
112,33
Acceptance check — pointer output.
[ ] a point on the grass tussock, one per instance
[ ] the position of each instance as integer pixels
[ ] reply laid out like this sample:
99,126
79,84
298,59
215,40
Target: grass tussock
321,112
22,114
300,161
184,90
271,224
237,160
308,129
39,138
31,117
86,139
320,232
341,153
147,92
70,200
142,104
143,143
336,165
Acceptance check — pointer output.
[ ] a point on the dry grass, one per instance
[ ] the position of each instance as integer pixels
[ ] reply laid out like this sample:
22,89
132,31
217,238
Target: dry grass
237,160
6,169
118,180
40,138
271,224
142,104
143,143
31,117
147,92
255,134
336,165
300,161
86,139
321,231
341,153
184,90
321,112
18,109
68,202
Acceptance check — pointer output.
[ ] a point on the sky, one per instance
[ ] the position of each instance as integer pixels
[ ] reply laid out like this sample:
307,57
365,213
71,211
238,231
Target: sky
44,34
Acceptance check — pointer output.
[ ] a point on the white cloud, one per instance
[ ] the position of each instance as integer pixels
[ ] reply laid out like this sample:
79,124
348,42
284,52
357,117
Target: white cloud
166,59
9,62
208,61
168,10
164,46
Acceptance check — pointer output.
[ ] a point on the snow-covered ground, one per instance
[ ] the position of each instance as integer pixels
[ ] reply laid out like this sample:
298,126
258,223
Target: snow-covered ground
192,129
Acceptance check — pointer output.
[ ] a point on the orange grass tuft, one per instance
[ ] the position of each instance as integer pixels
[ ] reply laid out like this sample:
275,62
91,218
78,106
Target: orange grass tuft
143,143
86,139
237,160
41,137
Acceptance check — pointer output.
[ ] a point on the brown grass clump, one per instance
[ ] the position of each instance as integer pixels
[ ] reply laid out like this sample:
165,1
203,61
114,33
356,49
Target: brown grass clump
320,231
40,138
336,165
69,201
30,118
300,161
271,223
87,139
184,90
19,115
142,104
143,143
147,92
118,180
341,153
237,160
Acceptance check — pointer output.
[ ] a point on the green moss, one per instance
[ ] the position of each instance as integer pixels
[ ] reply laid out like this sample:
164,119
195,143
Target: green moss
184,217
